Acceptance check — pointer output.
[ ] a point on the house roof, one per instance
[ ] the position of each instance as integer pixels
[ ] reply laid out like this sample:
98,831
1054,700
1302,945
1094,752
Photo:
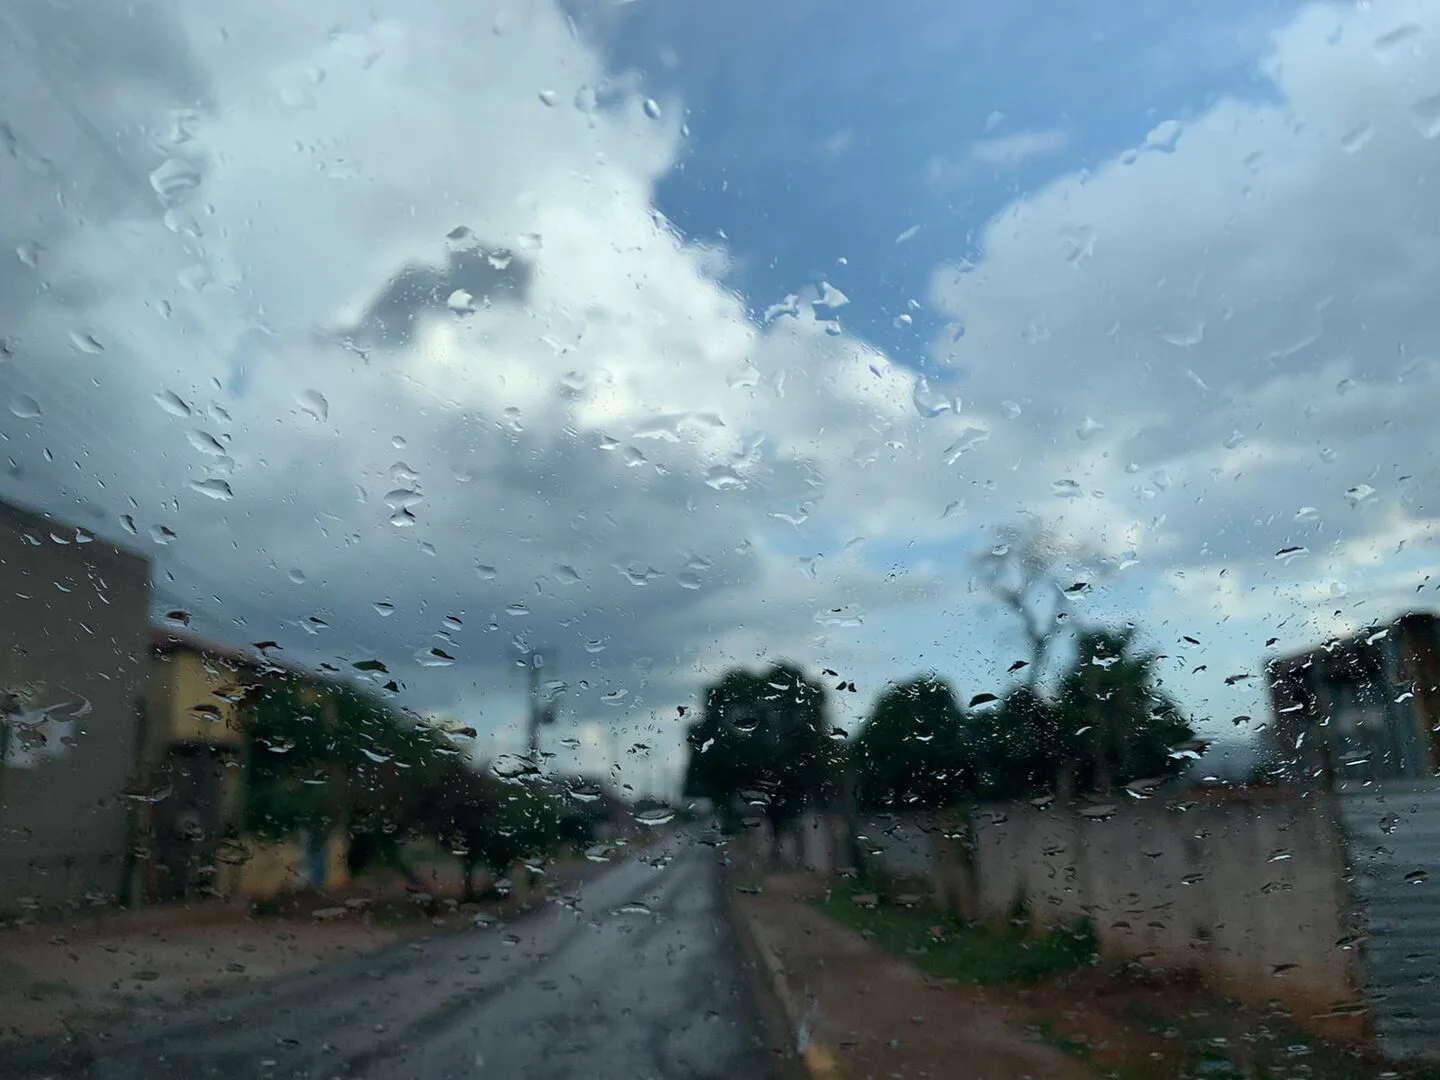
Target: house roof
1419,621
165,639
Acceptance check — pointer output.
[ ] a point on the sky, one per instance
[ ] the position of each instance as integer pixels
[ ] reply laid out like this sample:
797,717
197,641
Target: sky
666,336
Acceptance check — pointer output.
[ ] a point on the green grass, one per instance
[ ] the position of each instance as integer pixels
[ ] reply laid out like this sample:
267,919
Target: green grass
947,948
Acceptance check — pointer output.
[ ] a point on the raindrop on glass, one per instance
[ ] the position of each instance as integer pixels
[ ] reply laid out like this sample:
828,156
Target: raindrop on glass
86,343
1356,138
313,402
206,443
213,488
1425,115
723,478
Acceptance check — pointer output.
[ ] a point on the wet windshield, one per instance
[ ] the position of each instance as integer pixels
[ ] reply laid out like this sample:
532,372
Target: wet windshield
583,538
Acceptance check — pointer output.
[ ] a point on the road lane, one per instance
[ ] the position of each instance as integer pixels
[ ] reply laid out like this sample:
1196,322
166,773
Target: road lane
635,975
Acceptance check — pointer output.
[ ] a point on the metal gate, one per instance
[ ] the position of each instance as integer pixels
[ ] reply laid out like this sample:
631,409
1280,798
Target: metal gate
1394,836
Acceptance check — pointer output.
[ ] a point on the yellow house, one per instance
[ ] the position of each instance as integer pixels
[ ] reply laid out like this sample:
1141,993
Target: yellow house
193,763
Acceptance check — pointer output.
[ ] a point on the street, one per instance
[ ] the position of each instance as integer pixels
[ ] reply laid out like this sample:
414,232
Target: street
633,975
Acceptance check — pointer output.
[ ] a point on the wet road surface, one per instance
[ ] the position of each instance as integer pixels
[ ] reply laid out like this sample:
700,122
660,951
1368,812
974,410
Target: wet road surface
635,975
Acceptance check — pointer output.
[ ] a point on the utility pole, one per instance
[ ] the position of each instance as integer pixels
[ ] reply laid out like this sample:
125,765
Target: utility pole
532,741
613,738
543,708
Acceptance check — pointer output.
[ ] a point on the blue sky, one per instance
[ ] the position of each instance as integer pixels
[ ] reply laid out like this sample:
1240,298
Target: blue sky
814,125
815,132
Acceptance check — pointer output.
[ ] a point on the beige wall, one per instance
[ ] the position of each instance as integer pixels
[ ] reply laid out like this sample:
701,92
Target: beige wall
1249,891
1250,894
183,686
274,868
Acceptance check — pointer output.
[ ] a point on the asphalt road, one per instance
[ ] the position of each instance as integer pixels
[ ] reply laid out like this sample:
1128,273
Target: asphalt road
635,975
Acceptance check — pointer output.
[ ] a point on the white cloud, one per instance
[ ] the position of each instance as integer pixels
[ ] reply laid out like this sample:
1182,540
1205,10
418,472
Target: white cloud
642,464
1243,304
1008,151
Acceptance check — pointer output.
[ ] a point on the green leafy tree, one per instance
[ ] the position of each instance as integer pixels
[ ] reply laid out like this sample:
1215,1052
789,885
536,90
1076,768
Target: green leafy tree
1122,726
915,751
763,739
489,823
1023,749
322,754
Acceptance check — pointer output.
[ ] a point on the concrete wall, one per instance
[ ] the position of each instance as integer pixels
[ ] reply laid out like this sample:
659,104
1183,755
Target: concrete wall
899,845
1249,894
73,633
1248,891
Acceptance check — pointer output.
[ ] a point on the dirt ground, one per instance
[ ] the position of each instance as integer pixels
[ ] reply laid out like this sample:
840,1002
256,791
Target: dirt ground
60,975
90,969
884,1018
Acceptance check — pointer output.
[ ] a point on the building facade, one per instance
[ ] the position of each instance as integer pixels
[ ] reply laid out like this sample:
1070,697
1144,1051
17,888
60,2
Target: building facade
1359,709
73,624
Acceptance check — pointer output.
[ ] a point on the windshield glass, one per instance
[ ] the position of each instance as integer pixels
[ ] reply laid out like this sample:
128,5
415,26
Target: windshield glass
703,478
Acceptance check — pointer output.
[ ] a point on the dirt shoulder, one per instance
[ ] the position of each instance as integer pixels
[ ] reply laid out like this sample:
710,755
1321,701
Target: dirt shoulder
60,977
882,1017
56,978
898,990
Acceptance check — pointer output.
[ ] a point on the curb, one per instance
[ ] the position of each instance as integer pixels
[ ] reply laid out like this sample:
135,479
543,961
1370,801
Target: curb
818,1060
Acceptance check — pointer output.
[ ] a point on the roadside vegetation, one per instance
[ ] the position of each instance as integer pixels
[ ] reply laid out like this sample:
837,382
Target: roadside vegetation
948,948
323,757
1122,1023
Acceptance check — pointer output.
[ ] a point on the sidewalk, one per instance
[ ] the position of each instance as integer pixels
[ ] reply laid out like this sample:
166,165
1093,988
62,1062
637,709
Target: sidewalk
880,1017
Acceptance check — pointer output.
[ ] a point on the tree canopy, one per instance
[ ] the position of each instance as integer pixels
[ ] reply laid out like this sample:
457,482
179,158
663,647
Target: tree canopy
763,739
1106,724
1121,723
916,750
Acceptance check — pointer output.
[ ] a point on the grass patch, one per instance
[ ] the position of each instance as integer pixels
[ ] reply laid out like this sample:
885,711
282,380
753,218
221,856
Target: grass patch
943,946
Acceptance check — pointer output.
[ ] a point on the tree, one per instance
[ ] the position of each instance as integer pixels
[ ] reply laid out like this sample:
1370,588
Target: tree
1019,572
763,738
322,753
1122,726
487,822
1023,749
915,750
